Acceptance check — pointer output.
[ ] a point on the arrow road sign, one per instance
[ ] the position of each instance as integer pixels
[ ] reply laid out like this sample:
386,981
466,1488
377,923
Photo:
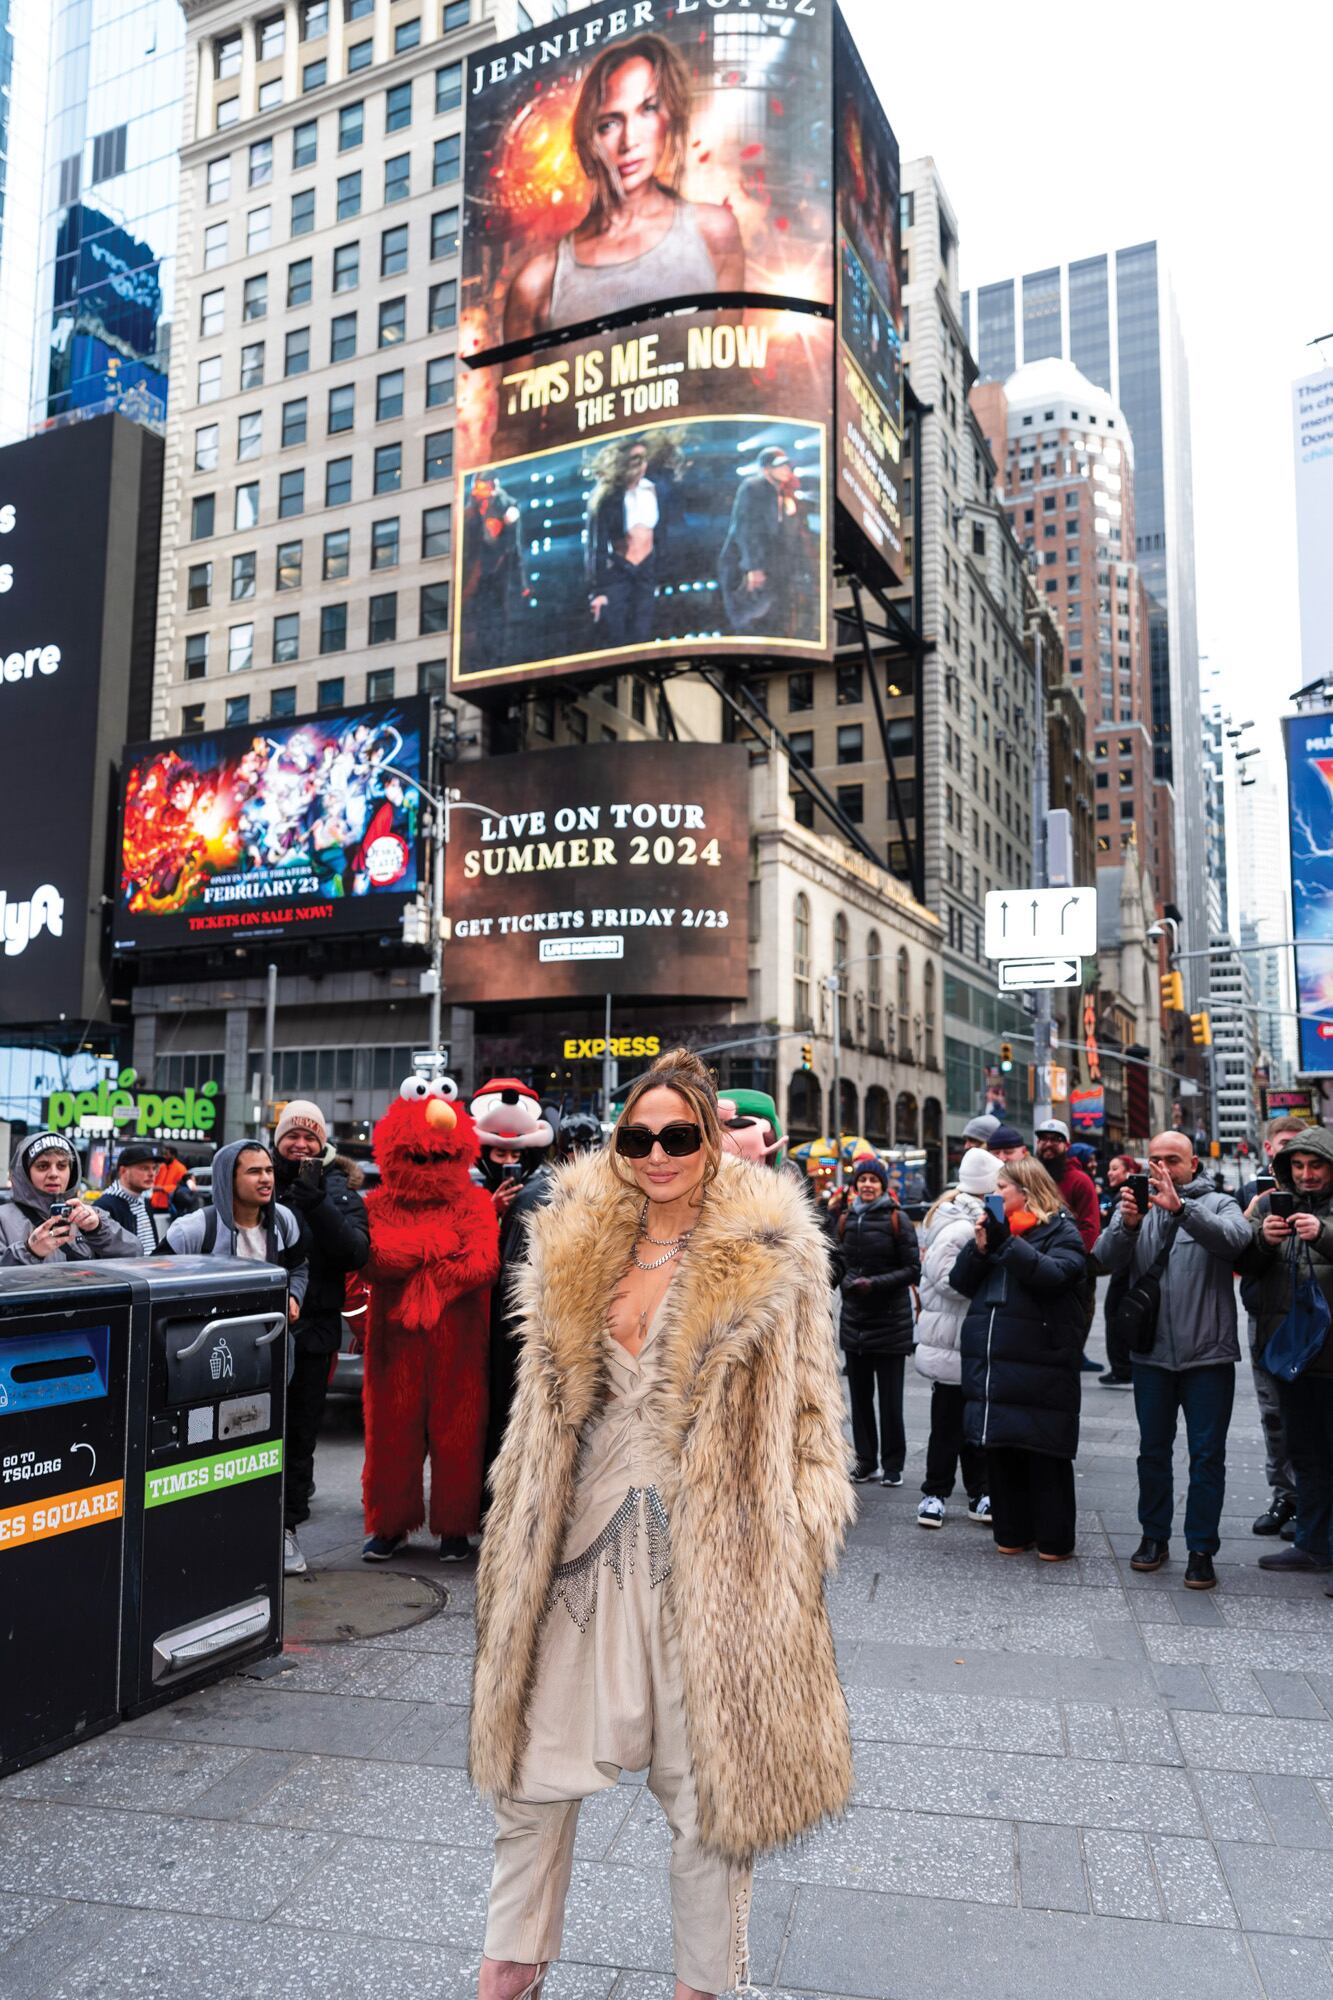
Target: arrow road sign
1041,923
1019,975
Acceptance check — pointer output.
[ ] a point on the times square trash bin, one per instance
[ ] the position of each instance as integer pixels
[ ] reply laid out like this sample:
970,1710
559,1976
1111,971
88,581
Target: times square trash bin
65,1354
204,1541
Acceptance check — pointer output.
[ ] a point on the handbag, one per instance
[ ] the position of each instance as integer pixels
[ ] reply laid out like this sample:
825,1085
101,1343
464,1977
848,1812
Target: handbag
1136,1320
1303,1328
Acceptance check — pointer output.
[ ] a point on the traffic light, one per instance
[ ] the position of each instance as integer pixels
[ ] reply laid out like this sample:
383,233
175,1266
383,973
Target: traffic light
1201,1031
807,1056
1173,993
1006,1056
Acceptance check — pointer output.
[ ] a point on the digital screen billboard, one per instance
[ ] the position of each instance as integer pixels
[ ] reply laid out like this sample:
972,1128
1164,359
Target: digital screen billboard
1309,746
869,395
645,155
620,869
653,491
294,829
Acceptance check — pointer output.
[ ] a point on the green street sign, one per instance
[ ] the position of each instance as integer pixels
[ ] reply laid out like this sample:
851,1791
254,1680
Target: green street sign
210,1475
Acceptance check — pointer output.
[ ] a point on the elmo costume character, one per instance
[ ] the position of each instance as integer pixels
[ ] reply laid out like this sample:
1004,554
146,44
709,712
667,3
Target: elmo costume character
433,1258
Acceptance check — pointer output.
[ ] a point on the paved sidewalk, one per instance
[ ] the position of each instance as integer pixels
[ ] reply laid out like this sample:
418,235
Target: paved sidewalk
1071,1781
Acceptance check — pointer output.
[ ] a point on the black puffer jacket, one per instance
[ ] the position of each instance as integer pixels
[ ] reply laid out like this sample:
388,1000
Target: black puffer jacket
335,1233
880,1263
1023,1337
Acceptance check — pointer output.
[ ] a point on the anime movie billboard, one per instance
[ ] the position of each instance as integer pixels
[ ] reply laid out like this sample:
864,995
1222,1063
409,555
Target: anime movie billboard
1309,745
273,830
660,490
643,155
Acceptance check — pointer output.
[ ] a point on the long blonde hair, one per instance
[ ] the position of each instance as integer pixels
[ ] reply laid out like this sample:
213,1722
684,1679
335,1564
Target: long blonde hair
1041,1197
683,1071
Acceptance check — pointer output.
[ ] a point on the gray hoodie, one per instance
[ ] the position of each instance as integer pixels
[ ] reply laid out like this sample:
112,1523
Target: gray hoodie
19,1217
1196,1327
187,1233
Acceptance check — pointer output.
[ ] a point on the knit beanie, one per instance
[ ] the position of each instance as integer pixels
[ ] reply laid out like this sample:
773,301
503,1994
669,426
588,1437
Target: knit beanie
979,1172
300,1115
870,1163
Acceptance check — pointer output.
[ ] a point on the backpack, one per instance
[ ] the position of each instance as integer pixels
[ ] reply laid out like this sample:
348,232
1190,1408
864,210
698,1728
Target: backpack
1303,1328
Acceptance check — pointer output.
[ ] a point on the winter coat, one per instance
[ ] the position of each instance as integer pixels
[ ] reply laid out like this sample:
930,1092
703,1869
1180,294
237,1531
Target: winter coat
1196,1326
939,1324
336,1231
30,1208
1023,1338
118,1206
189,1234
880,1264
751,1413
1079,1195
1269,1268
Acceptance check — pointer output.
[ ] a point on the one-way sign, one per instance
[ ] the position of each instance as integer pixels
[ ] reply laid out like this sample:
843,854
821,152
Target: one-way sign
1041,923
1019,975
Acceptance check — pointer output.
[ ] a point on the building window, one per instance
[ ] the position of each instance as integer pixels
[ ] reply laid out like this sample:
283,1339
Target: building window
443,312
801,960
254,296
342,408
449,87
437,535
240,648
347,267
196,656
397,178
874,991
206,448
211,313
351,126
227,56
258,229
289,566
314,20
439,456
199,587
457,14
299,276
439,381
342,337
281,702
215,245
360,55
849,689
242,576
272,37
192,719
314,75
229,114
305,143
303,212
383,619
851,803
261,163
393,322
398,107
384,541
252,365
800,692
296,351
448,153
349,196
236,710
389,396
249,435
432,677
904,1004
435,608
358,10
291,494
202,510
379,684
209,380
928,1018
333,628
329,694
393,251
336,546
444,233
407,35
851,745
338,482
388,468
219,179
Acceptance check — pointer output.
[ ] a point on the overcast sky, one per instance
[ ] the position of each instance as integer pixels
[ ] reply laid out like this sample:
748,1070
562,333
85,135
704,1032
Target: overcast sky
1061,130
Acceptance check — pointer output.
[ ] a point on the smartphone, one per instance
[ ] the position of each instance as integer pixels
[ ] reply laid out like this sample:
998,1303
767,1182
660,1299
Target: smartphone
307,1172
60,1211
996,1222
1140,1186
1282,1202
1264,1183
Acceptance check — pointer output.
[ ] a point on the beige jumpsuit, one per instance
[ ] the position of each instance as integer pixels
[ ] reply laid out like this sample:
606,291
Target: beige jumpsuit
607,1699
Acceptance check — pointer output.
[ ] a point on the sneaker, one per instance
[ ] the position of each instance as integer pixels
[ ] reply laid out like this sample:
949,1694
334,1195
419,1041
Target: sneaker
1280,1509
1110,1380
892,1479
455,1549
1294,1559
979,1509
931,1512
293,1562
1149,1554
1089,1366
860,1472
378,1548
1199,1572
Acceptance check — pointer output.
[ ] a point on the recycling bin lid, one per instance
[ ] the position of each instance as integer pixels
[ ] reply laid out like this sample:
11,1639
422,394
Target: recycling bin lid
168,1278
83,1284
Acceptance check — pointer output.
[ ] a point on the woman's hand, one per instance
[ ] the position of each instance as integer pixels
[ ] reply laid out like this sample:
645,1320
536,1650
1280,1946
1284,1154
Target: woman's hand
49,1236
85,1217
980,1237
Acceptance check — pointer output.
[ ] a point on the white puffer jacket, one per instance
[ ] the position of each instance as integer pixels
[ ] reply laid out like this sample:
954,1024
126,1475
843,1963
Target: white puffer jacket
943,1310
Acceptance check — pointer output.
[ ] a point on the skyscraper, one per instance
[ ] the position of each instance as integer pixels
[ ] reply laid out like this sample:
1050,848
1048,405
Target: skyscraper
24,38
1114,316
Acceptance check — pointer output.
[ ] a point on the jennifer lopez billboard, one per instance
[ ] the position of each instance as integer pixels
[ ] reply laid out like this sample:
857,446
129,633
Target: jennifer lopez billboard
663,490
1309,744
645,155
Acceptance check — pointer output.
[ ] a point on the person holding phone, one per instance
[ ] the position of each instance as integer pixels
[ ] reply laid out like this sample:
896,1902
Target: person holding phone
1120,1168
319,1186
1198,1233
881,1264
48,1221
1279,1516
1022,1341
939,1328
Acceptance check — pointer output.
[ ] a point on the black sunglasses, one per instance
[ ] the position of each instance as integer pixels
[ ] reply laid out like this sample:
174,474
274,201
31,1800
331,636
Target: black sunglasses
677,1141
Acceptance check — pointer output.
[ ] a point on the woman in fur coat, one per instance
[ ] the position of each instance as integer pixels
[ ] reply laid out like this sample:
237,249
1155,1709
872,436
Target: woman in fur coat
671,1493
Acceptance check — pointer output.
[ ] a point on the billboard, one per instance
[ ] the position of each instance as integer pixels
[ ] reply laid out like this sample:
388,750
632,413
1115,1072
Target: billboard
1312,426
620,869
661,490
646,154
295,829
869,389
1309,746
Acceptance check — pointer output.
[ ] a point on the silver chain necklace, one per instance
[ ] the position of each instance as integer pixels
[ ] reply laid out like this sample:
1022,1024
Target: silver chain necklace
673,1245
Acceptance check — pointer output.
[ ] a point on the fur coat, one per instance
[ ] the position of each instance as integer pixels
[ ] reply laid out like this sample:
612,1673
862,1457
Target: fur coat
751,1411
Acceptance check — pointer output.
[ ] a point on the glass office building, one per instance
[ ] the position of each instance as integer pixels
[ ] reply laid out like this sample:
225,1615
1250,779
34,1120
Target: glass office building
109,191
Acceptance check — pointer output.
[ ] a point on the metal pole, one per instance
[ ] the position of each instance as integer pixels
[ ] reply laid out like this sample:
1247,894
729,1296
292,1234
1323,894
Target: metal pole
606,1065
835,988
437,923
270,1018
1041,1025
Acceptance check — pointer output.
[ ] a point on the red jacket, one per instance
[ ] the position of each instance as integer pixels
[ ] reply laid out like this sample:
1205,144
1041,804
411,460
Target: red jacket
1081,1197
